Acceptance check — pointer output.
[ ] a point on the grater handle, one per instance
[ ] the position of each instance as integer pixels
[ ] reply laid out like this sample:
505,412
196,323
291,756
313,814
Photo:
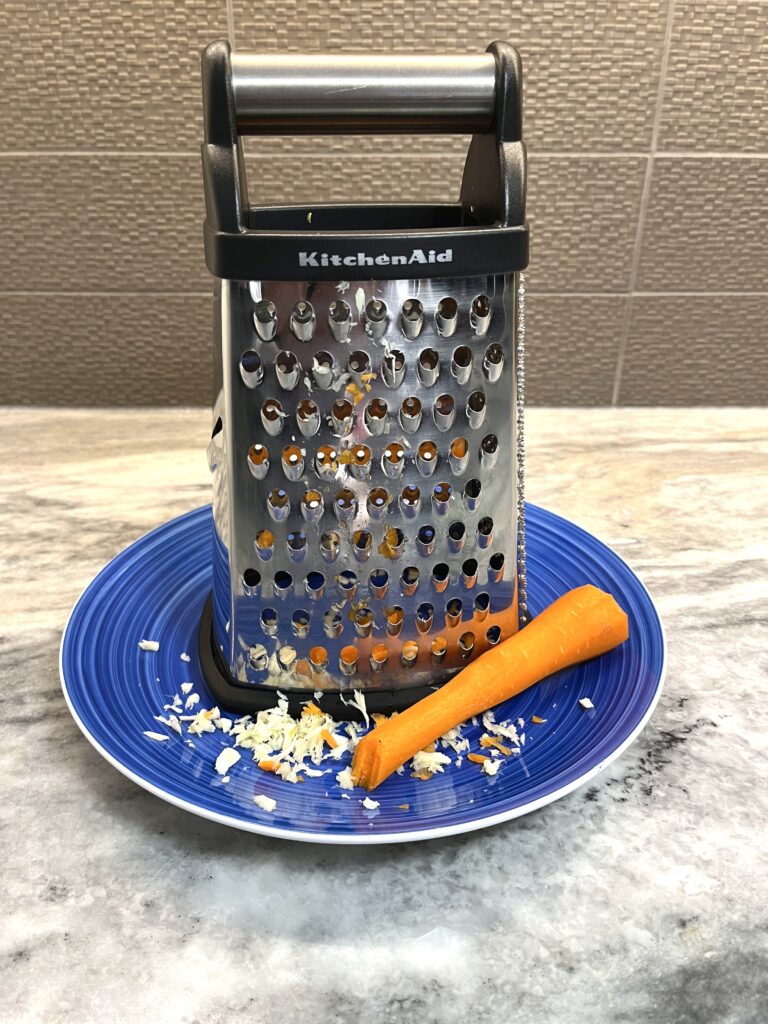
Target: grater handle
255,94
325,93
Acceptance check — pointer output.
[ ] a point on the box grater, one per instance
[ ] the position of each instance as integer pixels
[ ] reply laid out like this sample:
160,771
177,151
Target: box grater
367,449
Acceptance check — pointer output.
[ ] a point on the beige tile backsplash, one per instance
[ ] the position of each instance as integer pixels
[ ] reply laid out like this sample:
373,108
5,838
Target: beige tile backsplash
646,125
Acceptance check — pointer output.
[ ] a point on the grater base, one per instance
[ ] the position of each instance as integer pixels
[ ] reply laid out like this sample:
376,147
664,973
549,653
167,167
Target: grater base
232,695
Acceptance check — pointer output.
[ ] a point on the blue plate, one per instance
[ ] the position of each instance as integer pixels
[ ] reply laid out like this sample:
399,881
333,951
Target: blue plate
155,590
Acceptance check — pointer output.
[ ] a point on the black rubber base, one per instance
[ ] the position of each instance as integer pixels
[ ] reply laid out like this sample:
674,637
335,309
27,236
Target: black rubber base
232,695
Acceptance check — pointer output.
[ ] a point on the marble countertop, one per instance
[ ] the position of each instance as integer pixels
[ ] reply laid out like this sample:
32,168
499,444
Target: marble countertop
638,900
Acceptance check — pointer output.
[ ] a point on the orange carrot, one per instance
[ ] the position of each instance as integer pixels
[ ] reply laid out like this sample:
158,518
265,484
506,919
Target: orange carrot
269,766
580,625
329,738
492,741
312,709
478,758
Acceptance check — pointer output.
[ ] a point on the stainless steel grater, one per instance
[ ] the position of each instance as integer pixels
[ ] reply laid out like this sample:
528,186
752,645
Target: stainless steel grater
367,450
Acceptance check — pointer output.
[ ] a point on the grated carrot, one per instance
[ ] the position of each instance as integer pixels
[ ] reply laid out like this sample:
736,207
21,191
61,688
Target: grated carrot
477,758
492,741
537,721
423,776
269,766
312,709
329,738
404,807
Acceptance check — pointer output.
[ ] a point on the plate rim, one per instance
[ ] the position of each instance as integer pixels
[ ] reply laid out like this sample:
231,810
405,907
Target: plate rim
365,838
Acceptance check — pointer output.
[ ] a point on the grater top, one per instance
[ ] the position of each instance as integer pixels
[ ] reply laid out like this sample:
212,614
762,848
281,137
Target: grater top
484,233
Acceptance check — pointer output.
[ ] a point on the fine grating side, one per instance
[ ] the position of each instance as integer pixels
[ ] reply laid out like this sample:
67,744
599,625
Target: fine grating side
368,479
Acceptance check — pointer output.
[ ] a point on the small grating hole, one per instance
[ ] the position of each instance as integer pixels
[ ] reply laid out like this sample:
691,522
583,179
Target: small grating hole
318,658
476,401
315,582
300,621
271,410
347,581
251,361
283,582
410,576
493,635
269,621
466,643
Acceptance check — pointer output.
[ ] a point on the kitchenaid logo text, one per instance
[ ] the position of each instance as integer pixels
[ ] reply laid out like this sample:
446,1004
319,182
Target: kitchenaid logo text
383,259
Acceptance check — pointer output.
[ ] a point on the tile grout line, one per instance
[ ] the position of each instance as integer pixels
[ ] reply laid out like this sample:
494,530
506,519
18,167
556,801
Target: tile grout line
107,292
634,267
231,23
542,154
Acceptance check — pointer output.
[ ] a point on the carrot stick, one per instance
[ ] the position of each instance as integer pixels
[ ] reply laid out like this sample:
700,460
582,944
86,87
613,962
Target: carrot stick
581,624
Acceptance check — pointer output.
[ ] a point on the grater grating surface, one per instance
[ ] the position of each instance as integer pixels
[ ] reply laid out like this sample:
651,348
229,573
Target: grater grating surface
368,446
368,524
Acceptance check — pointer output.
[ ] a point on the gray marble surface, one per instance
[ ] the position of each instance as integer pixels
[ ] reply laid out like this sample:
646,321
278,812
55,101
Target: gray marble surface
638,900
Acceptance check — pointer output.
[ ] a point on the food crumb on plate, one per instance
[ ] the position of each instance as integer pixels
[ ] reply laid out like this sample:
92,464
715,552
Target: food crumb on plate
226,759
344,778
586,703
186,687
266,803
491,767
191,701
158,737
185,657
537,720
149,645
171,721
370,805
429,761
